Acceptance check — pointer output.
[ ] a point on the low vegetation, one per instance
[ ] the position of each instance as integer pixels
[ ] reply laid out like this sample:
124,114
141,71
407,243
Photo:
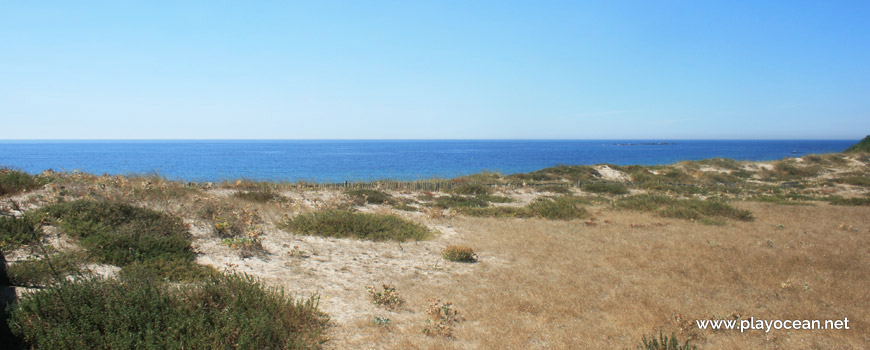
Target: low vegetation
664,342
370,196
347,224
559,208
387,296
14,181
555,208
441,318
125,235
260,195
605,187
862,146
17,231
707,211
46,270
459,253
225,311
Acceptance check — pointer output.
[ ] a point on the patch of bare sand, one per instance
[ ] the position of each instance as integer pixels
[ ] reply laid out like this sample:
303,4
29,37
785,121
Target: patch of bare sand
611,174
338,270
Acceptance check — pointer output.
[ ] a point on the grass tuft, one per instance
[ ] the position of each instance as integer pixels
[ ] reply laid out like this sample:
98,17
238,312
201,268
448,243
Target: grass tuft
605,187
347,224
559,208
459,253
370,196
664,342
689,209
17,231
14,181
260,195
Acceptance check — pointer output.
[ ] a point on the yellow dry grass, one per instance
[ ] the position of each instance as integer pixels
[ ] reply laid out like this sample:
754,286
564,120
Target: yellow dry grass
565,285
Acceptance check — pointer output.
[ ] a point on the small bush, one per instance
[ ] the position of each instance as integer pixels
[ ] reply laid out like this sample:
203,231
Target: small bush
664,343
46,270
227,311
559,208
340,223
122,234
782,199
119,234
498,212
246,246
388,296
605,187
724,163
456,201
836,200
788,170
856,180
689,209
17,231
472,190
441,318
14,181
370,197
459,253
260,195
572,173
173,269
554,189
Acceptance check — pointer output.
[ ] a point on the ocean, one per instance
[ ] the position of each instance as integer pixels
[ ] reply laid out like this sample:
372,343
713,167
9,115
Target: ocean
364,160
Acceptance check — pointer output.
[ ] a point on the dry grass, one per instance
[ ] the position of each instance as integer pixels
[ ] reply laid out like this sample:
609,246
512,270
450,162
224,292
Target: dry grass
559,285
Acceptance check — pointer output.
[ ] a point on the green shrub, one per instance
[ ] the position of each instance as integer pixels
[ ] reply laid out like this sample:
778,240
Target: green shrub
788,170
44,271
260,195
862,146
605,187
457,201
783,199
856,180
459,253
173,269
664,343
388,296
122,234
226,311
559,208
497,212
341,223
554,189
118,233
572,173
14,181
17,231
837,200
370,196
472,190
689,209
724,163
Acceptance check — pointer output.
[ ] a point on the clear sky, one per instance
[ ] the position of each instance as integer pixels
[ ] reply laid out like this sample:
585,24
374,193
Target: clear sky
435,69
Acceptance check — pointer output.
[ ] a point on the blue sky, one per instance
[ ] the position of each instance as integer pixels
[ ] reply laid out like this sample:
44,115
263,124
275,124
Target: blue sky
435,70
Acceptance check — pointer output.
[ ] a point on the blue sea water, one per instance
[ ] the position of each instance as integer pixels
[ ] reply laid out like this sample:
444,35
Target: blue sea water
361,160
